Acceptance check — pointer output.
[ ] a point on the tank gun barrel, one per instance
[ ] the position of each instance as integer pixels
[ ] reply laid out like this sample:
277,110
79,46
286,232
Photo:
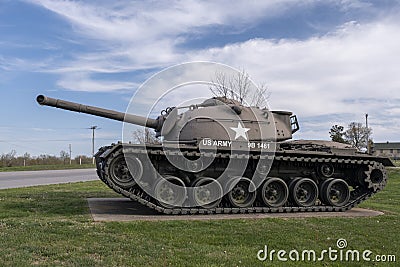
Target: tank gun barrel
101,112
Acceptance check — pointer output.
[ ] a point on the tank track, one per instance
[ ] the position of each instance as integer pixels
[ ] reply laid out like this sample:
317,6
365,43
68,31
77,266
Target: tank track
135,193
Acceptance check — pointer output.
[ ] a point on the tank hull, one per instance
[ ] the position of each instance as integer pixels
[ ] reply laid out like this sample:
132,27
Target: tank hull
301,178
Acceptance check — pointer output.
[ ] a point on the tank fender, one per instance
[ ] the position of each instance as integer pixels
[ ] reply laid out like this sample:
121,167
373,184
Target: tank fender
387,162
106,153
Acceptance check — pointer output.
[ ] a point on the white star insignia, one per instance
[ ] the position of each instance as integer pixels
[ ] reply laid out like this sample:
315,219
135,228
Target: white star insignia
240,131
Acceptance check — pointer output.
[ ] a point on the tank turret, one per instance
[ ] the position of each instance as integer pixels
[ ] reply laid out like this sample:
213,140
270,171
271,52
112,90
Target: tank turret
216,118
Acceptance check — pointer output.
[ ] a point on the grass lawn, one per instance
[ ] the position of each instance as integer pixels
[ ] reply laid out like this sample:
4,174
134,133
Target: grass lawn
46,167
51,226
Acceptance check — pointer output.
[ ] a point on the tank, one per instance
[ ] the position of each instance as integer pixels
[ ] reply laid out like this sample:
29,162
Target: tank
220,156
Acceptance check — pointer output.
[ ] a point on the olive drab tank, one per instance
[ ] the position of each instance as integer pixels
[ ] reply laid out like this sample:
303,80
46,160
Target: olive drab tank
220,156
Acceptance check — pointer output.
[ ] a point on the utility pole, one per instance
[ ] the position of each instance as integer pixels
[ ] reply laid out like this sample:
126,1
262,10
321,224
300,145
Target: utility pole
70,155
93,128
366,125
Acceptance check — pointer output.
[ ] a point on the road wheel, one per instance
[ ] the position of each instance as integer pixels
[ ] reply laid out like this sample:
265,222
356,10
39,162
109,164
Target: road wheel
304,192
274,192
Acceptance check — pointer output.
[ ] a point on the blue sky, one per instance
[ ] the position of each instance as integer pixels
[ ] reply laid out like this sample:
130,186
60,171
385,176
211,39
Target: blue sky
330,62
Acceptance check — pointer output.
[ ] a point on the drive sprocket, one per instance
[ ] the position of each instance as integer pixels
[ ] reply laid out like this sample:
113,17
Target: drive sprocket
376,177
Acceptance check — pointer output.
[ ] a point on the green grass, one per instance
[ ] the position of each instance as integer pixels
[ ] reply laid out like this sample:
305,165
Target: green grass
46,167
51,226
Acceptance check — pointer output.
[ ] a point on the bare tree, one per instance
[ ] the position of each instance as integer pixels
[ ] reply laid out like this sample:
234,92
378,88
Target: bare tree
220,86
261,96
147,136
64,156
237,87
7,159
356,135
240,84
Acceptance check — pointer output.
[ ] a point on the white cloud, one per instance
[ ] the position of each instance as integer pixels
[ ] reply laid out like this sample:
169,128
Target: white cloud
350,4
356,61
119,20
82,82
126,37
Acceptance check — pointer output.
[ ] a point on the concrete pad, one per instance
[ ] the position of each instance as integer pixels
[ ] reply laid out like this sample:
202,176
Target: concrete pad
123,209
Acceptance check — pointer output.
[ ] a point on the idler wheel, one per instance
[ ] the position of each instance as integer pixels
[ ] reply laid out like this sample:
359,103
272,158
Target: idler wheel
207,192
335,192
274,192
119,174
304,192
170,191
243,193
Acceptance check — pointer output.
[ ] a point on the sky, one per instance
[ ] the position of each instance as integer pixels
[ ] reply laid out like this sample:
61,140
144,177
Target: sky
329,62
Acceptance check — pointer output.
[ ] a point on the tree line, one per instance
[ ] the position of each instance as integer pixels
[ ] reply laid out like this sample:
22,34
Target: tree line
356,135
11,159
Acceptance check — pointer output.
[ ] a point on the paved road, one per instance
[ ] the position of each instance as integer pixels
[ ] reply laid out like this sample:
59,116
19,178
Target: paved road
31,178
